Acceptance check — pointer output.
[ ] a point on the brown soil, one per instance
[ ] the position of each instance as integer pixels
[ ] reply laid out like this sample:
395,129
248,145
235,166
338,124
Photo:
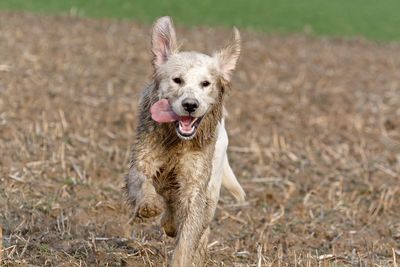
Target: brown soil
314,138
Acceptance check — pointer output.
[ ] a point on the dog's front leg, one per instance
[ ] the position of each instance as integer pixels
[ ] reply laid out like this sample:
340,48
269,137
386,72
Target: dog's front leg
194,212
141,193
193,221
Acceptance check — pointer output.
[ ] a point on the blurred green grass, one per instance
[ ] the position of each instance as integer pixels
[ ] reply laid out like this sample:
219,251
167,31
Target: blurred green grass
373,19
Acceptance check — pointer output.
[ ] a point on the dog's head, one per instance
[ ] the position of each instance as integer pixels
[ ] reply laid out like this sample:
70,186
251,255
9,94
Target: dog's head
189,82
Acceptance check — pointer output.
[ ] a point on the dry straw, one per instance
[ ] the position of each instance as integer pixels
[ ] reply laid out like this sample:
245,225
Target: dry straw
1,244
314,132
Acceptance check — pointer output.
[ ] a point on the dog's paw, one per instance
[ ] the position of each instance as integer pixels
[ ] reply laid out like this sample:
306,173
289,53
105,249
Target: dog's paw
168,223
170,230
150,206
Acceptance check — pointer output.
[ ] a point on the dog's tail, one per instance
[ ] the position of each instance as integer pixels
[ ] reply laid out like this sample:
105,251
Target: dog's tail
230,182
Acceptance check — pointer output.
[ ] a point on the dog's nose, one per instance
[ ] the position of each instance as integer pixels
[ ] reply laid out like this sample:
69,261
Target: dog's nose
190,104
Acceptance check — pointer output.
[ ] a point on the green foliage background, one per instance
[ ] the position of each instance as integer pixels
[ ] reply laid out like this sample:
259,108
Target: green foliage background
373,19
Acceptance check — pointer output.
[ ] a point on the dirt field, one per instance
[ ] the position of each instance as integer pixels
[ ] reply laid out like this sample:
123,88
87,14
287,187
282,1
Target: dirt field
314,138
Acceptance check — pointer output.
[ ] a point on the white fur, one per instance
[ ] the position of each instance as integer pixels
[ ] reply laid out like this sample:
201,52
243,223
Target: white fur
192,68
221,170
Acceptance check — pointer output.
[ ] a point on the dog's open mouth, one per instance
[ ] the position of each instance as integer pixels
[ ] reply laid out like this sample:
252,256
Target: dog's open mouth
185,126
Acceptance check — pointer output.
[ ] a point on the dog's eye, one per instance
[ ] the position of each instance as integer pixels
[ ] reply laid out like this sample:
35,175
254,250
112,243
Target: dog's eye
205,83
177,80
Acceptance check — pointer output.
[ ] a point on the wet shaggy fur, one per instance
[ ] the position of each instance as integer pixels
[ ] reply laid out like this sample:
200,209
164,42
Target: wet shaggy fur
173,176
159,153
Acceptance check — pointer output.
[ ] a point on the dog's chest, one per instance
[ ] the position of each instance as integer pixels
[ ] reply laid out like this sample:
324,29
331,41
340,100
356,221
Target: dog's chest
180,165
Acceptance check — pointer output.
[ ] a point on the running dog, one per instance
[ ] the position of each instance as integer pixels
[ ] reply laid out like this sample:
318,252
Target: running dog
179,156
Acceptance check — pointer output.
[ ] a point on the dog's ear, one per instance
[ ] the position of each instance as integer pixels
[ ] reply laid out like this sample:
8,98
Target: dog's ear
228,57
163,42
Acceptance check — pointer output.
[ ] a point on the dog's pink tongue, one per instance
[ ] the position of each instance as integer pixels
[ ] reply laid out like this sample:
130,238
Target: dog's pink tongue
161,112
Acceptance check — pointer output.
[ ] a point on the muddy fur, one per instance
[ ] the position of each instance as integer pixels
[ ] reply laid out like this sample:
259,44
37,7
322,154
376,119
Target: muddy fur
173,176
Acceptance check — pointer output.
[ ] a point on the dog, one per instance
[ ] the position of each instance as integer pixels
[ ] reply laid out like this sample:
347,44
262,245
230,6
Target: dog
179,158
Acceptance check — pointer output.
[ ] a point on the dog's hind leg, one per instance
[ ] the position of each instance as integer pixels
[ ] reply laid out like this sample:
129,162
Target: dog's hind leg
168,222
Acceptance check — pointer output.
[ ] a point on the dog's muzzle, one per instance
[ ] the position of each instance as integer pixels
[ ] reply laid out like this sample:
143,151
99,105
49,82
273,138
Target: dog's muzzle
186,126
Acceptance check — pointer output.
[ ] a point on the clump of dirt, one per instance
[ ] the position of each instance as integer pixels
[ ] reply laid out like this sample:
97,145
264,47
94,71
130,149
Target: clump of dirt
314,131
